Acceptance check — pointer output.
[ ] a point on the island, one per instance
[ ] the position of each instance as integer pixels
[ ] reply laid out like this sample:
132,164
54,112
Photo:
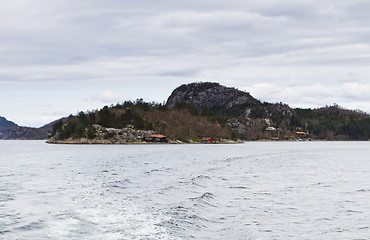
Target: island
202,112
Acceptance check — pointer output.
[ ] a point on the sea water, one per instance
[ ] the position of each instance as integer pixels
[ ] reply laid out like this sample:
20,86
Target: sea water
255,190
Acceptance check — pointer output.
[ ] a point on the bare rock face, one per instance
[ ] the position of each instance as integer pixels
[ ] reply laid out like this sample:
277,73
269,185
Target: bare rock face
105,135
209,95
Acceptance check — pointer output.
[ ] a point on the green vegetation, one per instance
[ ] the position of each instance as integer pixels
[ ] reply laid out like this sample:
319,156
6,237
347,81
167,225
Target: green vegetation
334,123
183,122
115,116
196,140
91,134
211,115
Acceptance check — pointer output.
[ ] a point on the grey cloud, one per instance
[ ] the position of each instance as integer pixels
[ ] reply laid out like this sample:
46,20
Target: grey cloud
313,95
113,32
74,44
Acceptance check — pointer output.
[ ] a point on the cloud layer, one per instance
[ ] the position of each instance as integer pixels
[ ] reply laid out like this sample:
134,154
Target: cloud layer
308,52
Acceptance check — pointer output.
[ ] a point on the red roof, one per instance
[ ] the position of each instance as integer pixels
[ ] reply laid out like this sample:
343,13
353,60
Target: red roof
207,139
157,136
300,133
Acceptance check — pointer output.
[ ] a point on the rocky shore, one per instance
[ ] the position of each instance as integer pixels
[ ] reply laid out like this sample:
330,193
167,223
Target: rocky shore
108,141
103,135
128,135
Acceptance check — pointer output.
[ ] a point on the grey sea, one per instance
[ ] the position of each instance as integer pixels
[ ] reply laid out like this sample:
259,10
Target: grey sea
255,190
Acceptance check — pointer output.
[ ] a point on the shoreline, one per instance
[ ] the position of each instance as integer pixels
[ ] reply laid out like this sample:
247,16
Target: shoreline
114,142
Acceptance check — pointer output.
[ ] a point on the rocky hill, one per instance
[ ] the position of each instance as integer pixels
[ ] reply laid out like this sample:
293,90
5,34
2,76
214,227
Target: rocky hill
252,119
210,95
226,101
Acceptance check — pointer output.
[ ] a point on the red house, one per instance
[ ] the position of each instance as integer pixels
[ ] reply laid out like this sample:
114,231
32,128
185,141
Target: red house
208,140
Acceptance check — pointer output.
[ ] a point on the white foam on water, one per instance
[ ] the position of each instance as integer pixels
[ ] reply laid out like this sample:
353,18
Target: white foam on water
108,222
316,190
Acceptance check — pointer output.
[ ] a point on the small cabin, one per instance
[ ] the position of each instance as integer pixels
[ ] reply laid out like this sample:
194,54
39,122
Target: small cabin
208,140
156,138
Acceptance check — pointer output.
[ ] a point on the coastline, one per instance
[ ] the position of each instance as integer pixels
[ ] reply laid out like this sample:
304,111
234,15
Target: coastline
114,141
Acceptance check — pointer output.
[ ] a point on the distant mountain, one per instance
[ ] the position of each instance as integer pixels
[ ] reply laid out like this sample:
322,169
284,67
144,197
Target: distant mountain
4,123
10,130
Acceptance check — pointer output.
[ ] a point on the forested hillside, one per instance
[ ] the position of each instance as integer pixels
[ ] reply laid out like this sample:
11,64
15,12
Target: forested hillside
252,119
178,123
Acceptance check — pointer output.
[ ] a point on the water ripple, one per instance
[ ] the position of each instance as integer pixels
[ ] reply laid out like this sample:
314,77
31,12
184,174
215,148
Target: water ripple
248,191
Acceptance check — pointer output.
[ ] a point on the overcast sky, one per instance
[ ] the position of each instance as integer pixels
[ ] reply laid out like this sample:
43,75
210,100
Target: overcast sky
58,57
